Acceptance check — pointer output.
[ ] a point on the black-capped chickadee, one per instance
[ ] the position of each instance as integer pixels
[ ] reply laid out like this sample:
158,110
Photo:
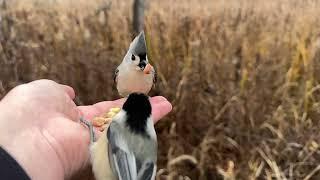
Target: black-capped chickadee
127,149
135,74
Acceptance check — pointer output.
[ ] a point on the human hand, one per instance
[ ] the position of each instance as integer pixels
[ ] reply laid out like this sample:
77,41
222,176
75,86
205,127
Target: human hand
160,107
40,128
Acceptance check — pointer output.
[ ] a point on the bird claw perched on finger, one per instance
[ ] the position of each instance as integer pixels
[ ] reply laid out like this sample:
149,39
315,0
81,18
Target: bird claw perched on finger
90,126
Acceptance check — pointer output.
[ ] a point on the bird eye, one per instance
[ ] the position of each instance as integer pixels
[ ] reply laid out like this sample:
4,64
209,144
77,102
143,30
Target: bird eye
133,57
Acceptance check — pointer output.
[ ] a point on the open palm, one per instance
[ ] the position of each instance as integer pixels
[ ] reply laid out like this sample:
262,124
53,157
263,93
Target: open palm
40,127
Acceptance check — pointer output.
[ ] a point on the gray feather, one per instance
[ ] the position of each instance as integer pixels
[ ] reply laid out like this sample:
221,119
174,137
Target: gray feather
129,159
122,160
122,164
139,45
146,171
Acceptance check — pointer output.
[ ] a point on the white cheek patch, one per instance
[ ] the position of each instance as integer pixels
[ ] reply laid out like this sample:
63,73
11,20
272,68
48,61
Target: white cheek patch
137,68
136,62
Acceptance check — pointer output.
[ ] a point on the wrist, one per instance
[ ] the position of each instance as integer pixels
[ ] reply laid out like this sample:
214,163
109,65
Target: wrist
28,147
38,161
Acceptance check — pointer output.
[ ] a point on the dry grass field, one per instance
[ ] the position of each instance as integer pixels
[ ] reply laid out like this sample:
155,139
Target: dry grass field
243,76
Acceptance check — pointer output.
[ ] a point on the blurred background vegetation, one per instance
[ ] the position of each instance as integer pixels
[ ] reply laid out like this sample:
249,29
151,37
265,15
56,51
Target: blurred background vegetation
242,75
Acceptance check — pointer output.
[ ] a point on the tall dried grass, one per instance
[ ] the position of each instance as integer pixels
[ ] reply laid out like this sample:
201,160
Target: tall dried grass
243,76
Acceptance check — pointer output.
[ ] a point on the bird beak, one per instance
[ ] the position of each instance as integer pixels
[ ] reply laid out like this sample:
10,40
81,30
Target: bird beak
147,69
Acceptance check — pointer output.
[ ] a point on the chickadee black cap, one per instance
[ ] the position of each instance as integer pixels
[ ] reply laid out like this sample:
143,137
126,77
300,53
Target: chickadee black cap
138,109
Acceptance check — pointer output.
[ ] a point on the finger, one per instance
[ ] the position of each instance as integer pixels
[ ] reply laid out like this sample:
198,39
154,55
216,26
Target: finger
69,108
88,112
160,109
49,83
97,109
61,94
69,90
73,113
106,105
76,142
42,82
157,99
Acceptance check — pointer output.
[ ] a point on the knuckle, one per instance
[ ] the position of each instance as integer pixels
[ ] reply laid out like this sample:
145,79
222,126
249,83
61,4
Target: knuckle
44,82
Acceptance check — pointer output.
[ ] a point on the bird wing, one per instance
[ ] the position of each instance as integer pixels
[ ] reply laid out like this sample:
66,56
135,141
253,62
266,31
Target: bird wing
122,160
147,171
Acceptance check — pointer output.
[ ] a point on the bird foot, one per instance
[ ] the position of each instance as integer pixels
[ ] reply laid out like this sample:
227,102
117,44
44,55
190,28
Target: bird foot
89,125
102,122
